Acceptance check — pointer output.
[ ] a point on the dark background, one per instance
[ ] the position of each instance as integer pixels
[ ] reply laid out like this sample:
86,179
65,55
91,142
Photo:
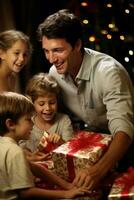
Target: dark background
26,15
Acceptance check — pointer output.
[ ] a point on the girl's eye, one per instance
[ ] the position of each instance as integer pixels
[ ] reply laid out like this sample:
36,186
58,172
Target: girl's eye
16,53
41,104
26,54
52,102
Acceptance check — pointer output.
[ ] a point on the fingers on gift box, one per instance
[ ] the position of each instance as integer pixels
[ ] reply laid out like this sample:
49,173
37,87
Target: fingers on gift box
45,145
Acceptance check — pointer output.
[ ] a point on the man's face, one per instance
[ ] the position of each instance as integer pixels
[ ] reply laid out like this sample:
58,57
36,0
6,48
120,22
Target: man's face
61,54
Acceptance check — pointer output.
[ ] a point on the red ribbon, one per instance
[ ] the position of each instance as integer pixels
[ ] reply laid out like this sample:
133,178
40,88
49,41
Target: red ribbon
127,180
82,141
85,140
50,146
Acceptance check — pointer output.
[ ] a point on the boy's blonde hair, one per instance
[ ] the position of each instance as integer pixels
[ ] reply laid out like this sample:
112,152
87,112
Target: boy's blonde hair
9,37
13,106
40,85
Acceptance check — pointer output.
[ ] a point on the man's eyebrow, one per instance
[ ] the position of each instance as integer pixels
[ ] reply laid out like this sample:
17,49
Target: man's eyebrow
53,49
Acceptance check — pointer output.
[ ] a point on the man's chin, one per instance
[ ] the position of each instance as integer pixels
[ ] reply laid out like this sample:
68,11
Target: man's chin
60,71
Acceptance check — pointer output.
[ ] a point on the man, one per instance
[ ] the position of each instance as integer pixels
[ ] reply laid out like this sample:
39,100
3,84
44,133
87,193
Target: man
95,88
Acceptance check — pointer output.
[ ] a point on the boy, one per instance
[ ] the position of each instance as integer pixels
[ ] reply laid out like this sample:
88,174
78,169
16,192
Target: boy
16,178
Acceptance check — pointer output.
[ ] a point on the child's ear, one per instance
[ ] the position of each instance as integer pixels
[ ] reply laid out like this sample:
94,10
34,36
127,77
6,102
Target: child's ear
2,54
10,124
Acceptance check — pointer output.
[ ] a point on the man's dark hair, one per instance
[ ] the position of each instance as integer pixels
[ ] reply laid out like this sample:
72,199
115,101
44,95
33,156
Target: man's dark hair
62,24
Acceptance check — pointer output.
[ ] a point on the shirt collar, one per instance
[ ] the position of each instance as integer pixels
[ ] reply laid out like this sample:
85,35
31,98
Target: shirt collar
9,139
85,69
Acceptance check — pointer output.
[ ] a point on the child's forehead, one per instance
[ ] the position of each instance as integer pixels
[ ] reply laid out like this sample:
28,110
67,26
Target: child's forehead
47,95
20,44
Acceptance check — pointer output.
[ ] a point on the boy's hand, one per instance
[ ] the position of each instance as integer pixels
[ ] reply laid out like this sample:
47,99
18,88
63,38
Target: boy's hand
54,137
38,156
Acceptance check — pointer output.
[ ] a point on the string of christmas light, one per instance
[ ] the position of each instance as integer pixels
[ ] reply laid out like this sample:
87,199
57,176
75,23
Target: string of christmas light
108,27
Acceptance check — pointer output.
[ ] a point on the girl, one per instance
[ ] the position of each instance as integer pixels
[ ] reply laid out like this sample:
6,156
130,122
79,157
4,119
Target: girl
15,49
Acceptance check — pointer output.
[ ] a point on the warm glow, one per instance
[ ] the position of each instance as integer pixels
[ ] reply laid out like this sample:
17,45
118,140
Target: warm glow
84,4
109,36
127,11
104,32
91,38
122,37
109,5
111,25
131,52
85,21
126,59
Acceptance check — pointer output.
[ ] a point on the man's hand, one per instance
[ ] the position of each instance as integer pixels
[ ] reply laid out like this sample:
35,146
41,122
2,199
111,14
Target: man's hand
88,177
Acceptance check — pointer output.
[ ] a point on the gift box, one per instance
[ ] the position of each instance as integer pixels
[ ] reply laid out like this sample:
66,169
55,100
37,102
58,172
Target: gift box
41,183
123,186
86,148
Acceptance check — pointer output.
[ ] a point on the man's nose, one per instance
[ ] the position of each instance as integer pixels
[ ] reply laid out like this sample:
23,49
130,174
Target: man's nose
52,58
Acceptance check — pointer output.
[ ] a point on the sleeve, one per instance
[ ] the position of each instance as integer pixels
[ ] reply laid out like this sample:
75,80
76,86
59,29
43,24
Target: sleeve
118,98
66,127
18,169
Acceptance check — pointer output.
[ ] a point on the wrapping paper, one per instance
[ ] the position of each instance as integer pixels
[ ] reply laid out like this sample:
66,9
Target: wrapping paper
86,148
41,183
123,186
45,145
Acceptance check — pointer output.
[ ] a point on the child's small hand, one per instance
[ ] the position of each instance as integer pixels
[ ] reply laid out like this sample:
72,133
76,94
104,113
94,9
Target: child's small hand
38,156
75,192
54,137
